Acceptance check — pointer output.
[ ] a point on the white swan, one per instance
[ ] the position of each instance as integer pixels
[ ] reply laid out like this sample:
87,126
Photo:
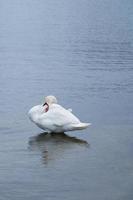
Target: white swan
54,118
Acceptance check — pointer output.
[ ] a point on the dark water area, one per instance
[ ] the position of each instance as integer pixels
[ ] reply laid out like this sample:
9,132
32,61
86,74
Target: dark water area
81,52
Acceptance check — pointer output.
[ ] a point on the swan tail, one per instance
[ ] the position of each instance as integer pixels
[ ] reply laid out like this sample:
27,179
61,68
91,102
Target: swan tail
80,126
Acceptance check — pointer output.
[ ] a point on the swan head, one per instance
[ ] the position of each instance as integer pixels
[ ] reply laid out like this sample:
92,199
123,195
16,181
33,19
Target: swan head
50,100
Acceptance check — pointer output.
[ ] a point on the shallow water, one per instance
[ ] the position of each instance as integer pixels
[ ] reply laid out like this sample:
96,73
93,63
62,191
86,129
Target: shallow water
82,52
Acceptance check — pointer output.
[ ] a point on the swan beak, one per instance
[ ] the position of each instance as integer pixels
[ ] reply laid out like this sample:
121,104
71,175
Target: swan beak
46,107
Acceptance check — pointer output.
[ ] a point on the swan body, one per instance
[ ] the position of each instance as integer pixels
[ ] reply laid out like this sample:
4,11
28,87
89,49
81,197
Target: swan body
55,118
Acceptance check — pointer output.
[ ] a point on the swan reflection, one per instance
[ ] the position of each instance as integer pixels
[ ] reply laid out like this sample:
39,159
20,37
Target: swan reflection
55,145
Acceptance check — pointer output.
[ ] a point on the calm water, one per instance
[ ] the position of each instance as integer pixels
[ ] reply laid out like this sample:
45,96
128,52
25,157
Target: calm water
81,52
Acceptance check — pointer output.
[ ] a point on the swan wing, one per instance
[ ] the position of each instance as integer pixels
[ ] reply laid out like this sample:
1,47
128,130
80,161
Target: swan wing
59,116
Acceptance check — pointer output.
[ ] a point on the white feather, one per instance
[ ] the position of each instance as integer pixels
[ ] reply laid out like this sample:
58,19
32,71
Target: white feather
56,119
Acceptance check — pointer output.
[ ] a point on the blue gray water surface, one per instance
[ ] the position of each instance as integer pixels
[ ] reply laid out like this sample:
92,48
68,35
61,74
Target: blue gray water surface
81,52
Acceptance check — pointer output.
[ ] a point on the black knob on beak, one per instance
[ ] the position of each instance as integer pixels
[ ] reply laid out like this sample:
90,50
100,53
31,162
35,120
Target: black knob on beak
45,104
